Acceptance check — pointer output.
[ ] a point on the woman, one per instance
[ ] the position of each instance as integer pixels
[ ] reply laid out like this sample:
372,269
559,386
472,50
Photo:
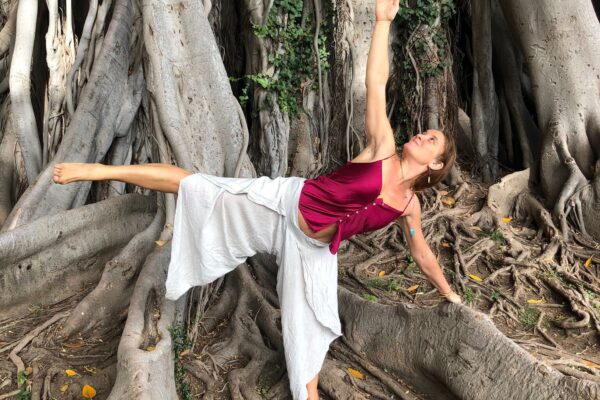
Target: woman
219,222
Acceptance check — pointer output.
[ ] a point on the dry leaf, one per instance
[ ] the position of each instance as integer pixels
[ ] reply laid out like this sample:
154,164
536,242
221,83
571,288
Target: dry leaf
381,273
28,370
70,372
588,262
88,392
475,277
507,219
64,388
356,374
150,348
443,192
590,364
445,244
185,352
475,228
159,243
535,301
449,201
412,288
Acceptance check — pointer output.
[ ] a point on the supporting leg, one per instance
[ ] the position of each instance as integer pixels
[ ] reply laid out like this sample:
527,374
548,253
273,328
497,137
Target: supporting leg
161,177
311,388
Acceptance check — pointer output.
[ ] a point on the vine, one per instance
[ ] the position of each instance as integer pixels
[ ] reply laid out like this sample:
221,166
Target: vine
295,61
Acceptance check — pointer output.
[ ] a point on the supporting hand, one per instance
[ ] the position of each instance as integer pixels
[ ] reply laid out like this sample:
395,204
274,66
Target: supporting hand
452,297
386,10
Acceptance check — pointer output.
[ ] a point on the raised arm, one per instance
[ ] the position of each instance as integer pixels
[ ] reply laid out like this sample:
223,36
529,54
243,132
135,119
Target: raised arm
422,254
377,126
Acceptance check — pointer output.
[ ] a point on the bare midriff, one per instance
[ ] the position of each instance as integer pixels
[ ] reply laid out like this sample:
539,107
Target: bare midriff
324,235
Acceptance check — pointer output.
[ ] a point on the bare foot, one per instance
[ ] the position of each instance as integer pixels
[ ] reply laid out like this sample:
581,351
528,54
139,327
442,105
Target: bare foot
71,172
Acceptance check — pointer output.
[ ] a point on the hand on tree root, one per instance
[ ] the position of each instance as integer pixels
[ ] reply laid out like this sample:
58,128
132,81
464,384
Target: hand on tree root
452,297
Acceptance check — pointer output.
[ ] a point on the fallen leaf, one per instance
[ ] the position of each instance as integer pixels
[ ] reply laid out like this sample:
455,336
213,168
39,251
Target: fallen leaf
70,372
159,243
88,392
507,219
28,370
588,262
590,364
412,288
150,348
64,388
356,374
475,277
449,201
535,301
475,228
92,370
445,244
185,352
381,273
443,192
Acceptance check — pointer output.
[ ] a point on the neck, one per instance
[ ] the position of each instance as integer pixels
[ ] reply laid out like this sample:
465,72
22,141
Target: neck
408,172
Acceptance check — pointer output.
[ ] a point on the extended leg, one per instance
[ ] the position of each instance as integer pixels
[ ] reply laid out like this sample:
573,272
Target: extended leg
161,177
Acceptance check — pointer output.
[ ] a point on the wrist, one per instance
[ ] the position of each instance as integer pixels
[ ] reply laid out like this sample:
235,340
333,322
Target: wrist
381,20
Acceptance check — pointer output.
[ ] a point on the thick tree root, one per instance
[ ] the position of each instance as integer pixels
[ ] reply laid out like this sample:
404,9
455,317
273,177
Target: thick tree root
145,367
64,253
458,353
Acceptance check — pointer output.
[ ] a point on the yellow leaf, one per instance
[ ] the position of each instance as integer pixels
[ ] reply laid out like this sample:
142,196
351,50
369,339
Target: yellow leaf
70,372
448,200
381,273
159,243
28,370
150,348
356,374
535,301
88,392
590,364
475,277
412,288
64,388
507,219
588,262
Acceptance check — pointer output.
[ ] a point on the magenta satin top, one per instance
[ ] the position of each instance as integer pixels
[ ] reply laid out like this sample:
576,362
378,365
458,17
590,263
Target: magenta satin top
347,196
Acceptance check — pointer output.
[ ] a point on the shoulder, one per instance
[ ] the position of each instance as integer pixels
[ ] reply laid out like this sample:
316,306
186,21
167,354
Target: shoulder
413,210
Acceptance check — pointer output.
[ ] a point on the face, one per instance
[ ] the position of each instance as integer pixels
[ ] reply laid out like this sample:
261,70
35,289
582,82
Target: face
425,147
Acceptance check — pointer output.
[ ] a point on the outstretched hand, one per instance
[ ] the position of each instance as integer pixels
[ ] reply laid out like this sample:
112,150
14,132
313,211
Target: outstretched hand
386,10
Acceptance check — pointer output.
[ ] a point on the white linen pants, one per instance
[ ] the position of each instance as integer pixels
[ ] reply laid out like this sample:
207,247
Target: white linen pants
220,222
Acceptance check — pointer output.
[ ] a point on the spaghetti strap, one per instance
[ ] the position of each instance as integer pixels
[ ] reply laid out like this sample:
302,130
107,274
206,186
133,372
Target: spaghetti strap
388,157
406,206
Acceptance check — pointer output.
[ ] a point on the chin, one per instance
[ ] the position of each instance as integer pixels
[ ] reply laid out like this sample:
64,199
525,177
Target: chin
411,153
